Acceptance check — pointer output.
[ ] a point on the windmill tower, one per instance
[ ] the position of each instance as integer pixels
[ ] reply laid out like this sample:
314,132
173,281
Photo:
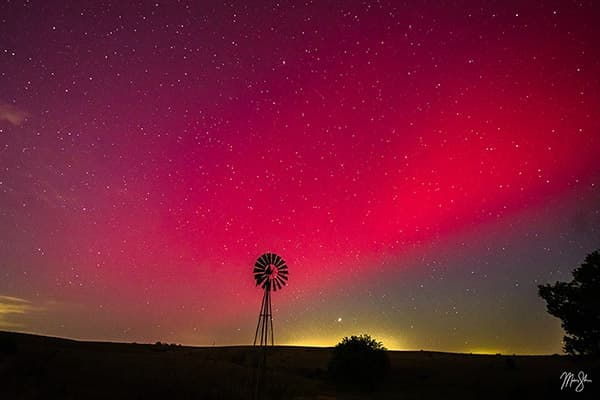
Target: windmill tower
271,274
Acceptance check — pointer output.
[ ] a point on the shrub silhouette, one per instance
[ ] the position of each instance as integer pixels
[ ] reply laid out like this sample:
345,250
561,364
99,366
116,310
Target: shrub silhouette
359,361
577,304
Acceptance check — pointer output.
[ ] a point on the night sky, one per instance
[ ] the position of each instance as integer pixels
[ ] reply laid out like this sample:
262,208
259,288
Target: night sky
420,168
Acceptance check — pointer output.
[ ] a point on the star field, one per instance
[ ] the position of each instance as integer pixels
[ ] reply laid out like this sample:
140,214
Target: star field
420,167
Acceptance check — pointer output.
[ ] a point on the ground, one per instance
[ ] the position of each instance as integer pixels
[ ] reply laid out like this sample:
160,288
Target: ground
33,367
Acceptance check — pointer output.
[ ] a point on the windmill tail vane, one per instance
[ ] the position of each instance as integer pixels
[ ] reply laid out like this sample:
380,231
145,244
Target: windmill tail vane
271,274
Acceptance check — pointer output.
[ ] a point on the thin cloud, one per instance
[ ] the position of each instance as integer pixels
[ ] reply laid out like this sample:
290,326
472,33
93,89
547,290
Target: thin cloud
13,299
12,114
10,307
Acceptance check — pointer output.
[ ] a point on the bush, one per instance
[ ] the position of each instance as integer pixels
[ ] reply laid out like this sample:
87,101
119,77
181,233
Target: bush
359,361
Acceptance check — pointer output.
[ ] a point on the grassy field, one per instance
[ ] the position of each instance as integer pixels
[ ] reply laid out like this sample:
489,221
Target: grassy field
38,367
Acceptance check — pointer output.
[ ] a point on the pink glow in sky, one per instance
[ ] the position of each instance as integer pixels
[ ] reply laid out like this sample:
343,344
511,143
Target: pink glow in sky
421,169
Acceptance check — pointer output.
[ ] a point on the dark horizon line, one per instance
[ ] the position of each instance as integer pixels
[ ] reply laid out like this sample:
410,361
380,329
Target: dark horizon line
101,341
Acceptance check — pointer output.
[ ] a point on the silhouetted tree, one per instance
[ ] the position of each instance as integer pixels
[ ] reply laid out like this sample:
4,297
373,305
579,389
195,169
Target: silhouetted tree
577,304
359,361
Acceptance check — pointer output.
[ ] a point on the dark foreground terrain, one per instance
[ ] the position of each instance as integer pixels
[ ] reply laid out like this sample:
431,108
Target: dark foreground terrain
38,367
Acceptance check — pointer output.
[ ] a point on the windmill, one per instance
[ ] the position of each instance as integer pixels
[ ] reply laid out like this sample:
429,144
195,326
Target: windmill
270,273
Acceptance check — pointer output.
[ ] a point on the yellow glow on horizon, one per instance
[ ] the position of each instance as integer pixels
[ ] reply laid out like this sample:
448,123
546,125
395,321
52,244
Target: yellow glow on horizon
311,342
389,342
483,351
